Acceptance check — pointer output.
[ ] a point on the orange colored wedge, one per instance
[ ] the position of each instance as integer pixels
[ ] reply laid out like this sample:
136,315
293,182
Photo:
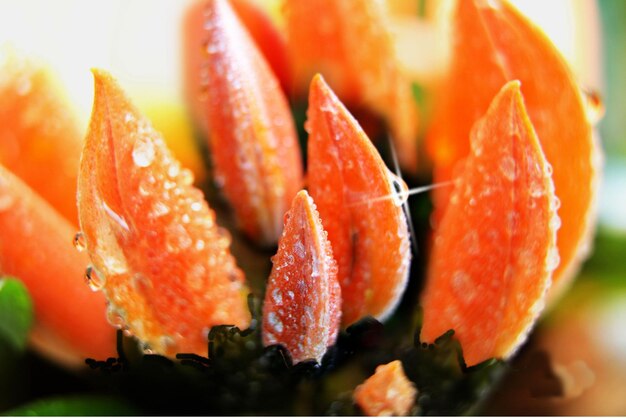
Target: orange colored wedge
36,247
40,139
161,260
387,392
302,307
349,43
495,249
494,44
269,40
356,197
253,138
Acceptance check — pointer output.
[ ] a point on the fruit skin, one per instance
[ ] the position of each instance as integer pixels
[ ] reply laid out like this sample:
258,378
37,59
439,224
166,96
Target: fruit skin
302,308
36,247
270,41
350,44
253,139
495,249
347,179
168,269
494,43
40,139
387,392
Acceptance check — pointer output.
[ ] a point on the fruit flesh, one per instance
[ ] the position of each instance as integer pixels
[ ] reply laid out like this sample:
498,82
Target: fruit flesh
36,247
387,392
165,265
40,139
351,46
494,44
369,235
253,139
302,307
495,248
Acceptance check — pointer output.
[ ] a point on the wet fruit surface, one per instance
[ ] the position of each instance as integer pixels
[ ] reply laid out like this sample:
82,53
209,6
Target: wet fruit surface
157,254
252,135
350,45
494,44
387,392
495,250
36,247
302,306
40,139
356,197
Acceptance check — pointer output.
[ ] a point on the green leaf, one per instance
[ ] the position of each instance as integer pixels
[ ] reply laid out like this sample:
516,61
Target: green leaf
16,312
76,406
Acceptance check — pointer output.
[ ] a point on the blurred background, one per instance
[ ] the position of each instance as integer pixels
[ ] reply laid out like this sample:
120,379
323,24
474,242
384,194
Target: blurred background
575,362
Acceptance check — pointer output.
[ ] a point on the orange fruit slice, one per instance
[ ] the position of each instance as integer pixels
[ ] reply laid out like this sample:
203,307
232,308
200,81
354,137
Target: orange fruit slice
270,41
253,138
350,44
40,139
494,43
157,254
356,197
387,392
302,307
36,247
495,249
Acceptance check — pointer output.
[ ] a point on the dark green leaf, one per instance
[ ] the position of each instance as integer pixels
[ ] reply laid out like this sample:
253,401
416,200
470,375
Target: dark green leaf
16,312
75,406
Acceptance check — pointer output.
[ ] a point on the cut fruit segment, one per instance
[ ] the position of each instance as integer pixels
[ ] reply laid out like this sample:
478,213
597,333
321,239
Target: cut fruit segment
495,249
359,206
253,138
494,43
387,392
302,308
350,44
157,253
40,138
36,247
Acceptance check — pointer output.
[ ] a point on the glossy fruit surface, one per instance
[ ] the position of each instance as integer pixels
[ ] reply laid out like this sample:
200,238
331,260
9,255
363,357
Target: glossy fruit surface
493,43
495,249
302,308
356,196
157,253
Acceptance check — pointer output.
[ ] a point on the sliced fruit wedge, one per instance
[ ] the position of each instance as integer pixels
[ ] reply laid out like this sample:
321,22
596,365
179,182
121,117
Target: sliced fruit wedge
270,41
359,206
494,43
40,139
36,247
252,134
388,392
350,44
157,253
495,249
302,308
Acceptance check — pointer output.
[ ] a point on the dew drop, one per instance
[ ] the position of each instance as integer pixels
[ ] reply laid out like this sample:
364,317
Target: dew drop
186,176
553,259
159,209
291,294
400,189
556,202
143,152
298,248
275,322
508,167
79,242
277,296
555,223
115,318
173,170
196,206
94,279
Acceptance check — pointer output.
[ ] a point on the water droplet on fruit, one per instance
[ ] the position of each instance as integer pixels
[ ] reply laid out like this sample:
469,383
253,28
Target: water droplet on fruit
186,176
94,279
143,152
115,318
508,167
159,209
553,259
277,296
400,189
275,322
79,241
